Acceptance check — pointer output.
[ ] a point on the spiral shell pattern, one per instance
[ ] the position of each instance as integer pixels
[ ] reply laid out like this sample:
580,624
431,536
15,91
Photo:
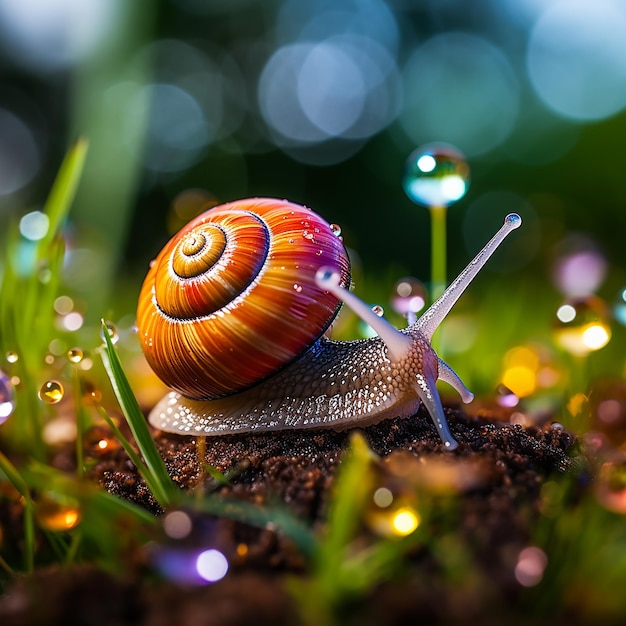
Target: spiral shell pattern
232,297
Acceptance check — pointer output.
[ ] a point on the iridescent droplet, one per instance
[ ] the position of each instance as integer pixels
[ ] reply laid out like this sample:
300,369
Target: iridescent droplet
408,296
51,392
7,397
112,330
12,357
336,230
582,325
436,175
57,513
75,355
378,310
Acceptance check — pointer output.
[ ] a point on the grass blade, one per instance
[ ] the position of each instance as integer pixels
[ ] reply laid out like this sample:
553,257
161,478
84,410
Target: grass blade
162,486
64,190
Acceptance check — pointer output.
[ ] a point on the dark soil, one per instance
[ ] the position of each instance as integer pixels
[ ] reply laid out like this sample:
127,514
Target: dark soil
503,469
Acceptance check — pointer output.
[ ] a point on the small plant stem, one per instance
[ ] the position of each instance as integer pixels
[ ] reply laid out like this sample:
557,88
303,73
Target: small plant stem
80,423
438,250
72,551
19,483
6,567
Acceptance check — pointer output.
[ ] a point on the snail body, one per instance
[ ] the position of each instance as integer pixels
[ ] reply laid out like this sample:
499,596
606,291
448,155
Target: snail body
317,382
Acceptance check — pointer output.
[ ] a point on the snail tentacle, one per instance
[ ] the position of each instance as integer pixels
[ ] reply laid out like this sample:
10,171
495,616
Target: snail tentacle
436,313
427,390
397,344
448,375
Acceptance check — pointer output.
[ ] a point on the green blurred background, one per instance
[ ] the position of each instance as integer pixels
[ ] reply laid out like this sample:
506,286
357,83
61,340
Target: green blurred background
321,102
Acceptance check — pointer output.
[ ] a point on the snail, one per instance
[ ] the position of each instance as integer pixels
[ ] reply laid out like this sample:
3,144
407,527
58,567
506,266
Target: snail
232,316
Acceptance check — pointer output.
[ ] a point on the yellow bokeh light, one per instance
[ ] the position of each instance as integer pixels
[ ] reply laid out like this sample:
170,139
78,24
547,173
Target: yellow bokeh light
405,521
522,356
521,380
596,336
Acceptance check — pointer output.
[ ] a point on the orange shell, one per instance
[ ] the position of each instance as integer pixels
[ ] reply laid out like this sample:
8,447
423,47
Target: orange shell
232,297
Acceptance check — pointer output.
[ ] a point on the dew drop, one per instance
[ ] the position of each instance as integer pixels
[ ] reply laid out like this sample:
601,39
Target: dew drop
378,310
12,357
307,234
51,392
112,330
436,175
408,296
7,397
297,287
75,355
336,230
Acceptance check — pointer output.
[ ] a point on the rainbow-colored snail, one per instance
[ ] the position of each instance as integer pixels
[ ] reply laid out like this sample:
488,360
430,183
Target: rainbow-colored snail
232,316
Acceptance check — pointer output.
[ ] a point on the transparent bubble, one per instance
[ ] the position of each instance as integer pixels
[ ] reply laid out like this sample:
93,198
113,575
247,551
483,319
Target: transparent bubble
378,310
75,355
336,229
582,325
51,392
436,175
112,330
7,397
408,296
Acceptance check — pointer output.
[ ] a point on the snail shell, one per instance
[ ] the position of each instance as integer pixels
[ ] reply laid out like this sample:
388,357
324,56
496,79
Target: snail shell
232,297
230,374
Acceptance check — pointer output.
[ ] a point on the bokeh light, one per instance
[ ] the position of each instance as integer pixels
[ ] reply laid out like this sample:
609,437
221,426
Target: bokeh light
212,565
530,566
47,36
7,397
580,267
582,325
577,57
20,158
461,89
342,87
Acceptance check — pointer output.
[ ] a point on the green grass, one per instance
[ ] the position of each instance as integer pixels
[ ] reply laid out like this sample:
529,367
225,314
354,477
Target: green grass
348,556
